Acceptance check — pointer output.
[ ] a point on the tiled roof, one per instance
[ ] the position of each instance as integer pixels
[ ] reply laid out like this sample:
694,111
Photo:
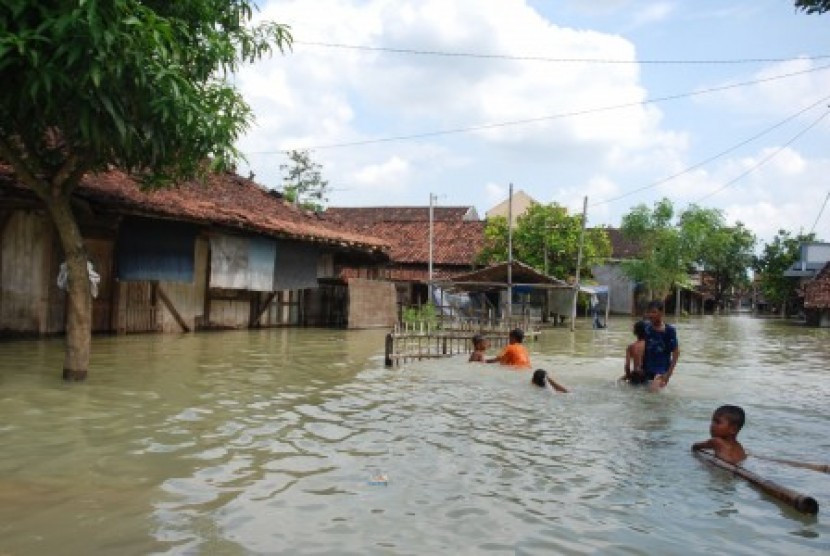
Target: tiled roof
364,216
223,199
454,243
817,291
621,246
520,273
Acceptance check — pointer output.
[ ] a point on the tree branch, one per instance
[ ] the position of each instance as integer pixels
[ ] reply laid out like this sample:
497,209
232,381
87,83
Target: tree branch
22,169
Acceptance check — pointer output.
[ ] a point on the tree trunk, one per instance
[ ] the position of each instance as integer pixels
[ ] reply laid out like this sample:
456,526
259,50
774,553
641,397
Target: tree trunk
79,297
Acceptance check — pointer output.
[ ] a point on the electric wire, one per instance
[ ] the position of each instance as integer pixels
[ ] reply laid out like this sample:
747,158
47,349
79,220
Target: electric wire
766,158
483,127
713,157
479,55
820,212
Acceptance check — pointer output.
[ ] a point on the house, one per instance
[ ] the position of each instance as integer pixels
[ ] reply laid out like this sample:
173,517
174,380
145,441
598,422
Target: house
623,292
457,238
521,202
817,298
222,253
813,256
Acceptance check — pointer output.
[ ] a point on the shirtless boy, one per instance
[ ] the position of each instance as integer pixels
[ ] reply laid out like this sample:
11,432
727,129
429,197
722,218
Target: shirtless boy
480,345
727,421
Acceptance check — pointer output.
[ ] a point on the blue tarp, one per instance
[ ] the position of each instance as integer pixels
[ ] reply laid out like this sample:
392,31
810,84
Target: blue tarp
155,250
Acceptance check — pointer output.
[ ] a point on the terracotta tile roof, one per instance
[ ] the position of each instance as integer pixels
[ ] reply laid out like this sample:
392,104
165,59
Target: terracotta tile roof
817,291
621,246
364,216
224,199
454,243
520,273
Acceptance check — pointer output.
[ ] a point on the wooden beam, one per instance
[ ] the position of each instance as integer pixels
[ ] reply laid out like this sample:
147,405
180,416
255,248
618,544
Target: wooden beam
169,304
260,309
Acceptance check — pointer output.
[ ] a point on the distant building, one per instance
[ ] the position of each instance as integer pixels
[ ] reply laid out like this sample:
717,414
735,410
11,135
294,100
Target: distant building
458,238
817,299
812,258
521,202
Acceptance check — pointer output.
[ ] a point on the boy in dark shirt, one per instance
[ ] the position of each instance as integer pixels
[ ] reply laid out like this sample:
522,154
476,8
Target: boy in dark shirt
662,349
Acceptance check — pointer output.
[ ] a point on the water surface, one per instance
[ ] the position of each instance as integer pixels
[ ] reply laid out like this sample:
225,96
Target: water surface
299,441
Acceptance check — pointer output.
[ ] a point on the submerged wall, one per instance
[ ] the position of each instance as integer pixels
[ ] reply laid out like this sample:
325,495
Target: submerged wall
372,303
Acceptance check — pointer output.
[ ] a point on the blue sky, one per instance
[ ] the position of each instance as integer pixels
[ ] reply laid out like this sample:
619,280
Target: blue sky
513,73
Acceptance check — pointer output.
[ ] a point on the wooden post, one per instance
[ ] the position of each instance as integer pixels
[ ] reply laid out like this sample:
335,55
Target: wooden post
390,345
579,260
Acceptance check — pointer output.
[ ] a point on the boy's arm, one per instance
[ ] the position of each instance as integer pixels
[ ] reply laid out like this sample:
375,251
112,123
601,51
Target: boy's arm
713,444
628,360
705,445
556,386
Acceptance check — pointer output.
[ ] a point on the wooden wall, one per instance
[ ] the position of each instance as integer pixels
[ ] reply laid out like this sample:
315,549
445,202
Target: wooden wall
29,297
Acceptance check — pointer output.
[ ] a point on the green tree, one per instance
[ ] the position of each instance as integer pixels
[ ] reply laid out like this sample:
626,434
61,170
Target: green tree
813,6
546,237
303,182
664,261
724,253
136,84
777,257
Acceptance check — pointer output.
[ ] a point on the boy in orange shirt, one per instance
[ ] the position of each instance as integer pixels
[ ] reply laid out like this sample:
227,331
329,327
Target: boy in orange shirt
514,353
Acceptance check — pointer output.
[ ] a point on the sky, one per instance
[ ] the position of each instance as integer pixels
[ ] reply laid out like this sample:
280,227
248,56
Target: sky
717,103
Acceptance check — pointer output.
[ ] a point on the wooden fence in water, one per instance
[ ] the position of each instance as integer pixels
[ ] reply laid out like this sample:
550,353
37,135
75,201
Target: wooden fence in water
414,341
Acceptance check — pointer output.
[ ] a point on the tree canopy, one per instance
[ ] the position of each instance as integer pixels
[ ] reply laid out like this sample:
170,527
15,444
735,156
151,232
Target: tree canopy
141,85
546,237
697,239
813,6
777,257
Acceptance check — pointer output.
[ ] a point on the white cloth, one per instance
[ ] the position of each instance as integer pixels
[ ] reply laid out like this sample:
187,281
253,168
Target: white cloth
94,278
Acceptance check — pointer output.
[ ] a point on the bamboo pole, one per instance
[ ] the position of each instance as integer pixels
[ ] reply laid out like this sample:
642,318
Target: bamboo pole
801,502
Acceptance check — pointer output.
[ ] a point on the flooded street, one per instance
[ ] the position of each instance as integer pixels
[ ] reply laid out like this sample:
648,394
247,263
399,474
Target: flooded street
298,441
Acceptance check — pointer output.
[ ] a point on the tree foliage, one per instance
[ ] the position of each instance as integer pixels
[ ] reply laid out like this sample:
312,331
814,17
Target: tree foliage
546,236
698,239
136,84
724,253
303,181
813,6
777,257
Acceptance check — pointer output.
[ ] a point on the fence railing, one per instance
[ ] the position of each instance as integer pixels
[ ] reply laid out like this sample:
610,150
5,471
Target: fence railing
430,339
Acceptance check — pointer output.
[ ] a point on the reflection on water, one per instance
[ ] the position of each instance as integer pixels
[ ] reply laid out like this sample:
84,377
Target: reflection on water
272,441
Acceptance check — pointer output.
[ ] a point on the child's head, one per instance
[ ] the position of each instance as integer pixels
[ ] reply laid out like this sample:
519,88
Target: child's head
479,342
640,329
516,336
539,378
727,420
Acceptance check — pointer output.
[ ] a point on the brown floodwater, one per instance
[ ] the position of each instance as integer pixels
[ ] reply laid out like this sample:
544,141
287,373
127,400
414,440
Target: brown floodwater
298,441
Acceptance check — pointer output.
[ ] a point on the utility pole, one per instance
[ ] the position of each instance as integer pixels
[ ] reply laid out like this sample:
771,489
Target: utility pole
432,199
510,254
579,260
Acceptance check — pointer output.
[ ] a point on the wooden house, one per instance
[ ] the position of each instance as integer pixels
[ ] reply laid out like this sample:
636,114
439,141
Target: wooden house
223,253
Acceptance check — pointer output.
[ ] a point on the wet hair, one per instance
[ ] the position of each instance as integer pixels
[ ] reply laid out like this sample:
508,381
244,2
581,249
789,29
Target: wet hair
734,414
517,334
539,378
640,329
477,339
655,304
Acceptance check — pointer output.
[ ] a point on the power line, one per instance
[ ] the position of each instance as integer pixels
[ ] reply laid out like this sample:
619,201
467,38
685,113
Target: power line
767,158
483,127
820,212
714,157
479,55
